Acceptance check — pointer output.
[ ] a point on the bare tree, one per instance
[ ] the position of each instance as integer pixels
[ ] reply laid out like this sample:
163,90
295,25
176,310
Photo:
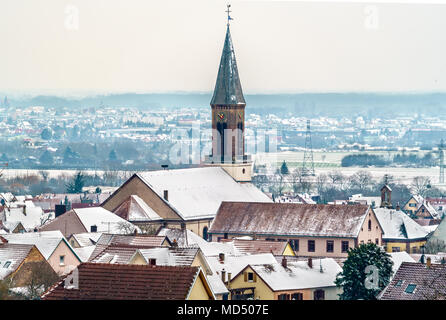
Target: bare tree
434,246
126,227
148,229
361,180
40,277
296,179
321,183
420,185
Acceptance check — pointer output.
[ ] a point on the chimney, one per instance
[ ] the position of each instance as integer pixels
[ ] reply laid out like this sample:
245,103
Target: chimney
223,275
166,195
229,278
60,209
152,262
428,262
135,232
310,262
174,243
284,262
398,208
24,209
221,257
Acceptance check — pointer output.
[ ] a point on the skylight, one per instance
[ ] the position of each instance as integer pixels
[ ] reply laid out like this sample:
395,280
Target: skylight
410,288
7,264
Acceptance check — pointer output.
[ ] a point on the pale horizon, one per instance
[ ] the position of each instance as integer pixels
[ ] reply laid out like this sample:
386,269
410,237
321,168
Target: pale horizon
175,46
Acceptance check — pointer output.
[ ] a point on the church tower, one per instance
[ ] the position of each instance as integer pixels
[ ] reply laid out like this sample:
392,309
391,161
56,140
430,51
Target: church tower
228,117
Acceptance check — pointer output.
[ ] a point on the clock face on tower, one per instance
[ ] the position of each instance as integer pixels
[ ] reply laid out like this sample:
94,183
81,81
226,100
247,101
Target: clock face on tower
221,117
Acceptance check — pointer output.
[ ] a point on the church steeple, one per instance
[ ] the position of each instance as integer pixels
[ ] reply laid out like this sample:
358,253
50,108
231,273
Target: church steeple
228,117
228,89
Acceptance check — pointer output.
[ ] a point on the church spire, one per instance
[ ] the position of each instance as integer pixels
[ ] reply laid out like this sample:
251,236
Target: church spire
228,90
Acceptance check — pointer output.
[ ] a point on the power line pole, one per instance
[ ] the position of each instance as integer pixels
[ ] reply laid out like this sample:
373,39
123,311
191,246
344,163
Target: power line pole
308,164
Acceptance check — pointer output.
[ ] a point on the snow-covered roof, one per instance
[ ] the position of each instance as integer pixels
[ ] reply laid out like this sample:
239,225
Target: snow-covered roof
398,258
170,256
104,220
87,239
136,209
27,213
45,241
11,256
235,263
430,209
84,253
247,218
398,225
298,274
198,192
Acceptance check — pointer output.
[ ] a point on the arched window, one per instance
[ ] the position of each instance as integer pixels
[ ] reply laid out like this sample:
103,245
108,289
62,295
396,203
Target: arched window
205,233
370,225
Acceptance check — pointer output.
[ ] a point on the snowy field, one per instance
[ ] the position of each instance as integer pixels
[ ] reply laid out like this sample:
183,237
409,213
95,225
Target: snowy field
324,163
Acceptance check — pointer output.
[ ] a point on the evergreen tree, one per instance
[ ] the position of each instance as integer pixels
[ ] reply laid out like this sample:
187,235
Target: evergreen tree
77,184
284,168
357,284
112,155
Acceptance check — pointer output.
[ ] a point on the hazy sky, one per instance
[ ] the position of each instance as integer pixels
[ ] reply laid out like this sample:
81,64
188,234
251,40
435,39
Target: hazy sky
58,46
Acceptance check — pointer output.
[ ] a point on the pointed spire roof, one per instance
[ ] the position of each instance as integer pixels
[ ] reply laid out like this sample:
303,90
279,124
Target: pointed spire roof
228,89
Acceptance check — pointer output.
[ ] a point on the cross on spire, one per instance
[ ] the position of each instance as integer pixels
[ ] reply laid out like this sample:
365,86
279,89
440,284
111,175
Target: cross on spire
228,12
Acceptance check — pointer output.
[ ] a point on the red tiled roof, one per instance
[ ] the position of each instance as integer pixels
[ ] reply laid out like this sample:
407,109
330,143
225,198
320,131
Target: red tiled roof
430,283
99,281
137,241
289,219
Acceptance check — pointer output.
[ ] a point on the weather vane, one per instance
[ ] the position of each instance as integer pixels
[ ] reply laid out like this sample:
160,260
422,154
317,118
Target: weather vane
228,12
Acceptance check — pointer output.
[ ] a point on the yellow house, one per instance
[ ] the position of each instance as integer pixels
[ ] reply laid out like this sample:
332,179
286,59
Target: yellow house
297,280
413,204
16,259
401,233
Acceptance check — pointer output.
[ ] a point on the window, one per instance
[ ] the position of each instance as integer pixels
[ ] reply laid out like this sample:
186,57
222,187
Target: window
412,205
62,260
330,245
344,247
250,277
370,225
7,264
319,295
369,241
399,283
410,288
295,244
396,249
311,246
283,296
362,241
205,233
297,296
376,241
